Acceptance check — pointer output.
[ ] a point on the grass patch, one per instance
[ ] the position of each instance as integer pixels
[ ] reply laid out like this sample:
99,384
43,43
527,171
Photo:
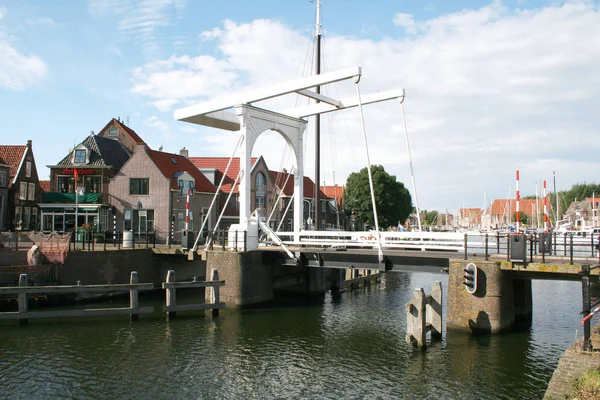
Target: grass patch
587,387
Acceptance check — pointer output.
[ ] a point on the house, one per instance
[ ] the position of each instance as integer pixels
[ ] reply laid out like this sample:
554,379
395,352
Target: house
502,213
335,194
284,181
262,189
4,179
150,193
583,213
89,167
470,218
23,189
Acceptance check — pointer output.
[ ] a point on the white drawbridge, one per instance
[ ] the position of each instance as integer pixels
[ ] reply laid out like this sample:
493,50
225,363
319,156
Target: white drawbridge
252,121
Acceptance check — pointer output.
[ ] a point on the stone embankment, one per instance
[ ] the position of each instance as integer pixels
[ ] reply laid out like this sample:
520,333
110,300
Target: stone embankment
573,364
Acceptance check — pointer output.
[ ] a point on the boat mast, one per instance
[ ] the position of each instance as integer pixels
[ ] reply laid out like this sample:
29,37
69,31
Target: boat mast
317,117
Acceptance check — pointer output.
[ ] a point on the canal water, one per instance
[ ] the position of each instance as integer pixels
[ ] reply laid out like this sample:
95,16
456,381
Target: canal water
349,346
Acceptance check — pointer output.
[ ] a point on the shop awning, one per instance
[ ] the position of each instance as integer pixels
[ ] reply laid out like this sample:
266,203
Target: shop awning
53,197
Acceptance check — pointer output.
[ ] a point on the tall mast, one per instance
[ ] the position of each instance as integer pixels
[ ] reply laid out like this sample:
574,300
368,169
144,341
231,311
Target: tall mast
317,119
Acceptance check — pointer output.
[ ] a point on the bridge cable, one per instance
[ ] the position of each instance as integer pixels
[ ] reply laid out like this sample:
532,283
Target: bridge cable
362,120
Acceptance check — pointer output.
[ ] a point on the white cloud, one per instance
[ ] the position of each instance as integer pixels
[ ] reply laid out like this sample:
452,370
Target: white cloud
210,34
155,122
2,12
489,90
406,21
19,71
139,20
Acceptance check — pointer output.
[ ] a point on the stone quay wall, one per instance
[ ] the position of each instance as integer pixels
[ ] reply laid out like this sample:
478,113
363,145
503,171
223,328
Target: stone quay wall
572,365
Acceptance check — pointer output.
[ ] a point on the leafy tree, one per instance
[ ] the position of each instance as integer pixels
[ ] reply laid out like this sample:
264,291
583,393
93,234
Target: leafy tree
392,199
431,218
524,218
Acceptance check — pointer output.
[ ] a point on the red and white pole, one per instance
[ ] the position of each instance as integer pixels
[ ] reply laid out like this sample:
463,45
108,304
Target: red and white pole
187,211
518,216
545,209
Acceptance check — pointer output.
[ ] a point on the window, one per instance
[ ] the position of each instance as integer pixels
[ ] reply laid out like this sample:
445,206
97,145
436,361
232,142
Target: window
139,185
261,184
92,183
23,191
26,220
31,192
113,132
28,169
127,217
65,184
2,178
79,156
184,186
18,221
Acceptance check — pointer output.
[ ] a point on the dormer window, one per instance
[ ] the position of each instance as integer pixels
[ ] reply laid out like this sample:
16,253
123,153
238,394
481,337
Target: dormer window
184,185
79,157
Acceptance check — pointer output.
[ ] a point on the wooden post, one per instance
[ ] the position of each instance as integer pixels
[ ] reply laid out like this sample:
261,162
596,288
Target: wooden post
133,297
415,312
171,294
22,299
434,310
212,295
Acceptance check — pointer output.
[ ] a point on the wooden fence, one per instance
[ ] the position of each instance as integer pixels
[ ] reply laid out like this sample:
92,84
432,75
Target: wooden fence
22,291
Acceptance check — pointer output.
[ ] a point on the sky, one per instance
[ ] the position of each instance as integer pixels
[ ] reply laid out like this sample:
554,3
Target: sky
491,86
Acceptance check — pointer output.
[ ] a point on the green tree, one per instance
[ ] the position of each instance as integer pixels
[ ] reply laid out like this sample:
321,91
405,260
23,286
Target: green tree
524,218
431,218
392,199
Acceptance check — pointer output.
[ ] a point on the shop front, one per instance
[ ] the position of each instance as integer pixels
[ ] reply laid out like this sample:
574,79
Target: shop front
60,216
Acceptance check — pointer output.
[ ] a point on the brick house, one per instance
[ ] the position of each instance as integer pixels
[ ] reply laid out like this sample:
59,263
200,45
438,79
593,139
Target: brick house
262,190
23,194
96,160
149,194
503,211
4,179
284,181
469,218
336,219
583,213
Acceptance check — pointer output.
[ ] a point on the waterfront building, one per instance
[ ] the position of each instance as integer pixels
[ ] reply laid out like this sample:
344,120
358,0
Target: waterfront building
89,166
583,213
19,188
149,194
335,194
4,179
503,211
470,218
262,190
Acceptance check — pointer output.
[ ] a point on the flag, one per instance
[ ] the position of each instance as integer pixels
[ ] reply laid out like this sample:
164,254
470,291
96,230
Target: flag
75,175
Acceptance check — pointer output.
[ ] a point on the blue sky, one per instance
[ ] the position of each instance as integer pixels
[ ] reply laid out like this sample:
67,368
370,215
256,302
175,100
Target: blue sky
492,86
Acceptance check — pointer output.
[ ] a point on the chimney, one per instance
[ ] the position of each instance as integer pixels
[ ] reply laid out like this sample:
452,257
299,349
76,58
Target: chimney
160,148
184,152
29,143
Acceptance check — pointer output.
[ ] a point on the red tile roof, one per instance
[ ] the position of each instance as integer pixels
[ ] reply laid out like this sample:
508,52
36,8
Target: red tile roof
45,186
220,164
334,192
502,206
132,134
280,179
164,162
12,156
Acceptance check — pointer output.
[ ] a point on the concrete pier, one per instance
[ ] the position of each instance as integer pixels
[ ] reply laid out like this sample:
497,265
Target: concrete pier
491,309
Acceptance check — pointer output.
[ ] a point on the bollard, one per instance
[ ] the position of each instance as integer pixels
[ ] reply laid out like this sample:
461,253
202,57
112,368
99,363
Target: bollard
171,294
530,249
508,247
486,247
571,251
153,239
213,292
544,252
236,240
565,244
554,233
23,299
585,292
104,240
497,242
133,296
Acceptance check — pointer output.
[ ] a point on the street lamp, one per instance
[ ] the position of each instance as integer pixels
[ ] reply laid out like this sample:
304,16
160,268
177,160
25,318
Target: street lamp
309,221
